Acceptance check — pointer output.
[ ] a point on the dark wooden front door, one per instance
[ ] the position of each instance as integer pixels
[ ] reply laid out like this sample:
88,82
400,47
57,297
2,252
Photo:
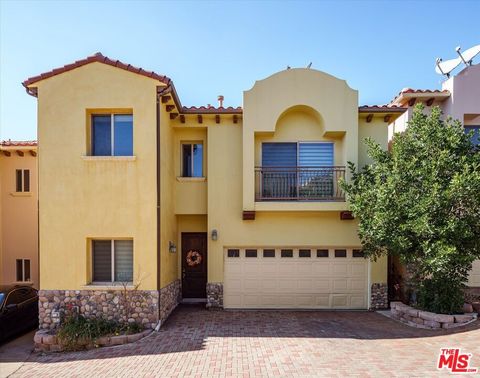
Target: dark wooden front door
194,264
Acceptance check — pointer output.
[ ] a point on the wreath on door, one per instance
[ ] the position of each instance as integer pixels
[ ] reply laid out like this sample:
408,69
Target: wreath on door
193,258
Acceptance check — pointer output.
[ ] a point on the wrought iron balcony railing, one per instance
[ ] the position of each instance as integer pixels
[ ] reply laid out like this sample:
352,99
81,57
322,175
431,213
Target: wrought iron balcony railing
299,183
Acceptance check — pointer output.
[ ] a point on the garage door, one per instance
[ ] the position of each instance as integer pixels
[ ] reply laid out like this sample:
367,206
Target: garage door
474,279
315,278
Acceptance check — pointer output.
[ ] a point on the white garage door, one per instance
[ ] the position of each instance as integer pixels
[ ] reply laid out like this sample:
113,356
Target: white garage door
474,279
314,278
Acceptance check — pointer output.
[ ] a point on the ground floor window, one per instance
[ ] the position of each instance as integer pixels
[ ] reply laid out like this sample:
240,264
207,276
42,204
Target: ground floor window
112,260
23,270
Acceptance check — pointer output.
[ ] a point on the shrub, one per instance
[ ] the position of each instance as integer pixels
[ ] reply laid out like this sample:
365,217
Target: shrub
77,331
441,296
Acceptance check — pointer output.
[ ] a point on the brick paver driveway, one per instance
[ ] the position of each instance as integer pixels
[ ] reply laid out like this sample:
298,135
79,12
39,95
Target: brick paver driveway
196,342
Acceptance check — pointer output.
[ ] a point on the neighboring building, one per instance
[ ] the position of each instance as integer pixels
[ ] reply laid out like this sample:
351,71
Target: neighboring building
458,98
18,213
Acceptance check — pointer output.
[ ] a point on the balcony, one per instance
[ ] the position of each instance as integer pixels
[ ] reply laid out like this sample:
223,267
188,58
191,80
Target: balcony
299,184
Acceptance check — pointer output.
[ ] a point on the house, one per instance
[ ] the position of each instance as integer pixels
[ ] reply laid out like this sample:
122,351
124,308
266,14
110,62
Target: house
234,207
459,98
18,213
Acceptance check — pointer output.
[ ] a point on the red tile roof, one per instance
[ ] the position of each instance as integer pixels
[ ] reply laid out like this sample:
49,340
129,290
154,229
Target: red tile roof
419,91
98,57
381,109
212,109
18,143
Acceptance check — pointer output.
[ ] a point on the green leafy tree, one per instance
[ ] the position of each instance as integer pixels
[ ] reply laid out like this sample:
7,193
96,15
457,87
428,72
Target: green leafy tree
421,202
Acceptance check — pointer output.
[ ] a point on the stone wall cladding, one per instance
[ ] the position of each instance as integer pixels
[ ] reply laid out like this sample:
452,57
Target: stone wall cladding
214,295
429,320
140,306
170,297
379,296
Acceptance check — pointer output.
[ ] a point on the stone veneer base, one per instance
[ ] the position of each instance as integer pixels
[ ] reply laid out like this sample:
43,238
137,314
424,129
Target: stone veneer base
427,320
140,306
379,296
170,297
214,295
47,341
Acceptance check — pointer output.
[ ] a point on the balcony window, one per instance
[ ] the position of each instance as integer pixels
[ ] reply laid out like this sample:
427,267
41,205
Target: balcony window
298,171
112,135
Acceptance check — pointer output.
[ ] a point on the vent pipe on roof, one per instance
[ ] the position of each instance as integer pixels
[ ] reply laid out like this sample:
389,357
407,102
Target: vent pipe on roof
220,100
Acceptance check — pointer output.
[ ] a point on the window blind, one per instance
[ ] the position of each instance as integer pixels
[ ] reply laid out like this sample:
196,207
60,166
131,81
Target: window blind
124,260
315,155
102,257
279,154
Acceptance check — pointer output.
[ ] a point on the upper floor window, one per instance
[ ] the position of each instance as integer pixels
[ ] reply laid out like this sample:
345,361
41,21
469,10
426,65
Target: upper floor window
22,180
23,270
476,133
112,260
112,135
192,160
303,154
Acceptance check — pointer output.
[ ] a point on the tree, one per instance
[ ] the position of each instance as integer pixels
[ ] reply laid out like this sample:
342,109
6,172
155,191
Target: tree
421,202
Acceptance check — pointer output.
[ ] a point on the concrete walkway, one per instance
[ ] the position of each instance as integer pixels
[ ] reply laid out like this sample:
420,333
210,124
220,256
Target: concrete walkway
14,353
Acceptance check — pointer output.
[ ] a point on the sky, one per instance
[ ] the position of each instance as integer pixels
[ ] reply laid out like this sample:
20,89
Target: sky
222,47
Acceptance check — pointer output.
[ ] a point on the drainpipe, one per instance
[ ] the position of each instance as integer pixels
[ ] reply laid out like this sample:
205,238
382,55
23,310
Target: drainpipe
158,95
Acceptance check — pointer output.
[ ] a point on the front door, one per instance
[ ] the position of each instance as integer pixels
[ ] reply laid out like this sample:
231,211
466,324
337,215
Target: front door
194,264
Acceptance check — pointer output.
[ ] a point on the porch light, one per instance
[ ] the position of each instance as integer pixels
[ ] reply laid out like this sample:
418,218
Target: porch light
214,235
172,247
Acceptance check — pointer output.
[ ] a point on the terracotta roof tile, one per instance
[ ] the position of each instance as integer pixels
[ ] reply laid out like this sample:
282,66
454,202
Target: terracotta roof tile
18,143
419,91
212,109
98,57
381,108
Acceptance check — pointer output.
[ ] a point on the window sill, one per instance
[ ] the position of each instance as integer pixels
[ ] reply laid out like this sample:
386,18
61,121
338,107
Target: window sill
109,158
107,286
191,179
23,283
21,194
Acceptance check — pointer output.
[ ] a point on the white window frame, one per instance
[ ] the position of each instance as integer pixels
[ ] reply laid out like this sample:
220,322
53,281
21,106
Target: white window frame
112,261
22,184
112,131
23,270
192,143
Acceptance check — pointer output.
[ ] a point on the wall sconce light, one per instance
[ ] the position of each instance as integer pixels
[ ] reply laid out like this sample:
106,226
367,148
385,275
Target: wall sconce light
214,235
172,247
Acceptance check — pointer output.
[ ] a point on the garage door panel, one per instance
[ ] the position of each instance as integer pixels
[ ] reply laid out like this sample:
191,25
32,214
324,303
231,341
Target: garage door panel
304,269
357,285
339,301
321,269
294,282
358,301
340,269
322,285
358,270
340,285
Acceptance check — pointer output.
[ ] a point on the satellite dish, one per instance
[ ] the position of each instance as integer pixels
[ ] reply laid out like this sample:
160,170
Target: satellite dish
444,68
468,55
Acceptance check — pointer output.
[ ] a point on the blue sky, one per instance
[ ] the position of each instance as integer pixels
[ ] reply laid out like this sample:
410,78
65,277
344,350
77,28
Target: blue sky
211,48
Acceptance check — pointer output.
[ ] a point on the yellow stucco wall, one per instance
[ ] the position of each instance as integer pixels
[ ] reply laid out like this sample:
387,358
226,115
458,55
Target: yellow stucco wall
376,129
18,216
191,193
83,198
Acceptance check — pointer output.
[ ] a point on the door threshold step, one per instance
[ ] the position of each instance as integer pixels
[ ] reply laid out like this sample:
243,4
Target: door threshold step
194,300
